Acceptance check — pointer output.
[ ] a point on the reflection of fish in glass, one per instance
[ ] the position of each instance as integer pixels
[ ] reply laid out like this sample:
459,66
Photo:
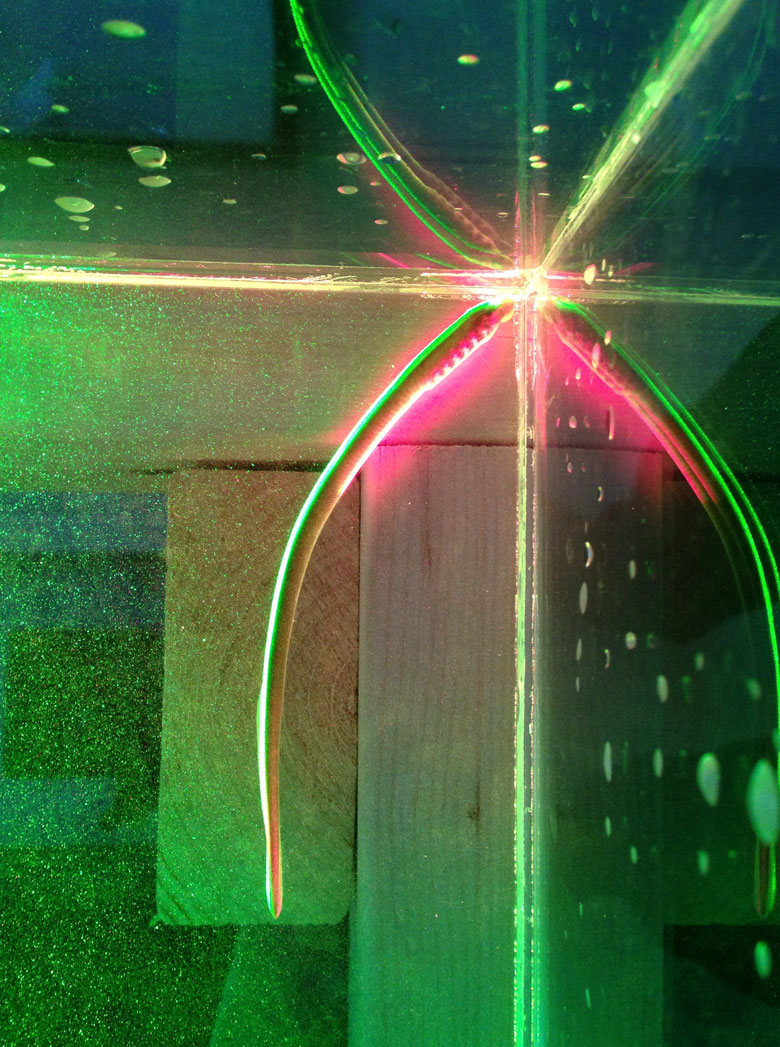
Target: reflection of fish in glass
22,107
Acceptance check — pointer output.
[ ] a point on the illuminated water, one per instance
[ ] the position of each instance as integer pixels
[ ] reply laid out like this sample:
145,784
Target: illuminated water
223,233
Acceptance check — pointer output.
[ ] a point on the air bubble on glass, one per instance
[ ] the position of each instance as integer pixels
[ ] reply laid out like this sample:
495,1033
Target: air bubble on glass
74,204
610,423
763,802
123,29
148,156
606,760
762,957
708,778
753,688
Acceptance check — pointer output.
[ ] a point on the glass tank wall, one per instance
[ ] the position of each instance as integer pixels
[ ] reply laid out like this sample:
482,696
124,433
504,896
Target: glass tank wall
224,231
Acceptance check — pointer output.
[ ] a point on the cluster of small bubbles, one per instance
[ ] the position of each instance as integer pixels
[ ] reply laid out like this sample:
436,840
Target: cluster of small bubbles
631,641
148,156
123,29
307,79
562,85
154,181
762,957
703,862
583,599
351,159
468,59
288,108
763,802
347,190
606,760
662,688
708,778
658,763
40,161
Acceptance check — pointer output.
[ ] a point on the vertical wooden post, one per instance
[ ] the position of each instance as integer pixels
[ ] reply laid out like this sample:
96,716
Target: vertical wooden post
432,952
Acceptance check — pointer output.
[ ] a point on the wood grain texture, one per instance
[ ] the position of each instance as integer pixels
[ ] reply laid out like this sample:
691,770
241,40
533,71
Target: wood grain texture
227,530
123,381
432,930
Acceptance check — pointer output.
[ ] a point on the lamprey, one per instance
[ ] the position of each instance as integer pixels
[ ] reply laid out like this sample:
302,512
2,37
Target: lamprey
714,483
429,367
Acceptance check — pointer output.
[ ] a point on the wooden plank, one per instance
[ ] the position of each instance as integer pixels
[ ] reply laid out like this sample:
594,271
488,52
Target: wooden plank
598,914
433,923
227,530
174,377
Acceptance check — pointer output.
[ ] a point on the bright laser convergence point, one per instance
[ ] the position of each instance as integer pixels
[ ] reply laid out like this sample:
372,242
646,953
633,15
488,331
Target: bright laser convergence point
429,367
